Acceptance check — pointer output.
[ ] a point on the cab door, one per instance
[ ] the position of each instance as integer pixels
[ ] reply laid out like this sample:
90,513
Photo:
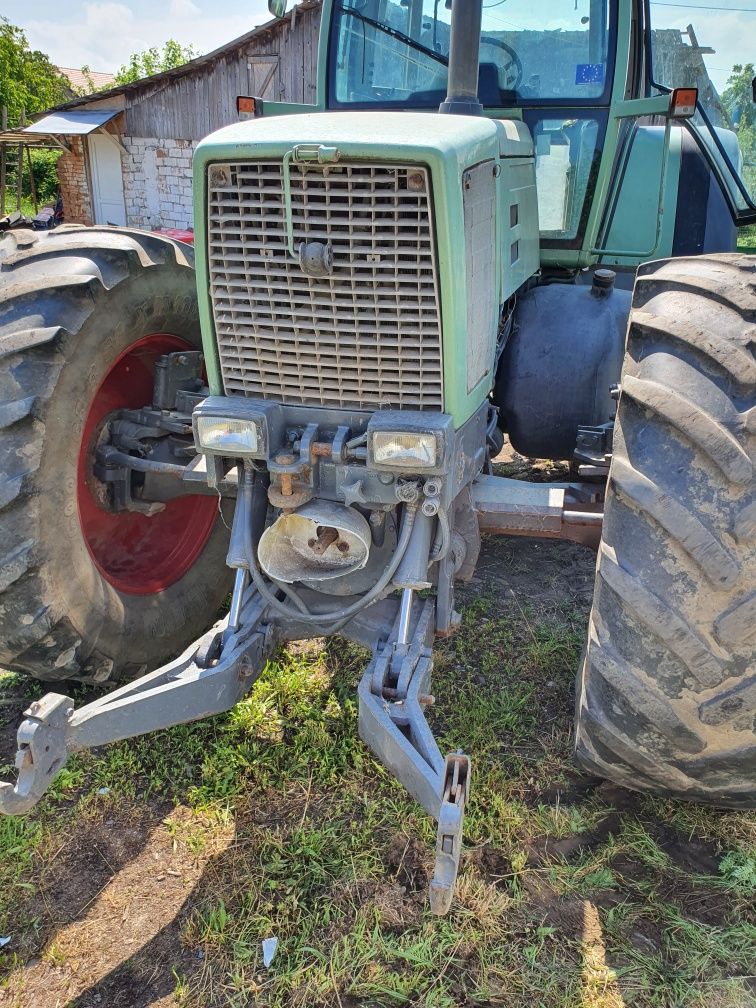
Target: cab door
711,48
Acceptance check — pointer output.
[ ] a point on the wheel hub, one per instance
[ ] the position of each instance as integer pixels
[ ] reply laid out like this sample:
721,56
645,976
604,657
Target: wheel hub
136,553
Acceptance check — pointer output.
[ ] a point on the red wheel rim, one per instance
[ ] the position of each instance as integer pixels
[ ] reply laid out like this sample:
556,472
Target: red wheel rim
136,554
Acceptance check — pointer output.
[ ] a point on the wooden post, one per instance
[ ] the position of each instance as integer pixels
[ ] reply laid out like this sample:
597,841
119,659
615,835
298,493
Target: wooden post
20,165
32,186
3,149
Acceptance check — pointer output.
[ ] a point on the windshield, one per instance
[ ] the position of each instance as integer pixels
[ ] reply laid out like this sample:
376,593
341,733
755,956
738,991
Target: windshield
386,52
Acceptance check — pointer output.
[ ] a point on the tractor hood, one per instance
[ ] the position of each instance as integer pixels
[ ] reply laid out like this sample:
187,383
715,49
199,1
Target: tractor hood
457,141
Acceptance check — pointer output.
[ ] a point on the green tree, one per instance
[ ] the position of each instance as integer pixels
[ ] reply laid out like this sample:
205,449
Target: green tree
737,96
737,99
29,82
154,60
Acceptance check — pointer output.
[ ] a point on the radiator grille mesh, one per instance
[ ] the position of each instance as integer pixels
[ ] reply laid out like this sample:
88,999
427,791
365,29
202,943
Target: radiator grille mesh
369,335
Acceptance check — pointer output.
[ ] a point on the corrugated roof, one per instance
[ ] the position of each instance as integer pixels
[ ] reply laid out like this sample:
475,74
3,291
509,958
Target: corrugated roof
74,122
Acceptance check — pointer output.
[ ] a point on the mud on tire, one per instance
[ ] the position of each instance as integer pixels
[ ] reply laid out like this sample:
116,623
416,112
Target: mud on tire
71,301
667,693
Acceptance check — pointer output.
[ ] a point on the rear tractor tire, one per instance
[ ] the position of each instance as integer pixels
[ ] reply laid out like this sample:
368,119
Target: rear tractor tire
86,593
667,693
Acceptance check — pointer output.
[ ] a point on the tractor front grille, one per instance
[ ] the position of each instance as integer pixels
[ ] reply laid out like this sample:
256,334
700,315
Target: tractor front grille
369,335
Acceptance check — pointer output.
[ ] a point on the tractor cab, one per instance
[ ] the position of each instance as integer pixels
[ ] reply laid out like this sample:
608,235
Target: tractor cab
618,181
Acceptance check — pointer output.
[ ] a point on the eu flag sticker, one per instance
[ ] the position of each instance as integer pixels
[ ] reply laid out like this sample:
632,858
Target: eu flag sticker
589,73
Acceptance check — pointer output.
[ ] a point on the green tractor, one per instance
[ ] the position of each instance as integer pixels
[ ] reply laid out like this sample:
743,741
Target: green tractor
303,411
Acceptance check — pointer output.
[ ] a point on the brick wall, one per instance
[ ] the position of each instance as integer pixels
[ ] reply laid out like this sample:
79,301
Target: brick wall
74,185
157,182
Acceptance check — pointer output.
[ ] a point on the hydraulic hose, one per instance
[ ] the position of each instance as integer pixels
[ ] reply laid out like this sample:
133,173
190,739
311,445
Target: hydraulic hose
338,616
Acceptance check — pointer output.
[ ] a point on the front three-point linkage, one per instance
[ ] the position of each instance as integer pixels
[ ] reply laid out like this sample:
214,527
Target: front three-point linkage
392,696
203,681
212,677
221,667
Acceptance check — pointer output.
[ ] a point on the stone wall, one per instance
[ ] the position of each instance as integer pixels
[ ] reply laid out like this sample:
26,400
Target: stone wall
157,182
74,183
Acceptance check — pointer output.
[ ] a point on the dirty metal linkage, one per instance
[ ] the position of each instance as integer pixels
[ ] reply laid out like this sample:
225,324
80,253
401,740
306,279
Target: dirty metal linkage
187,689
571,511
392,694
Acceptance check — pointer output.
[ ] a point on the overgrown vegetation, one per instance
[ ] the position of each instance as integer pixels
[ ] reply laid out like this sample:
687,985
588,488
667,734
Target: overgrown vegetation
155,60
275,821
737,99
29,82
747,240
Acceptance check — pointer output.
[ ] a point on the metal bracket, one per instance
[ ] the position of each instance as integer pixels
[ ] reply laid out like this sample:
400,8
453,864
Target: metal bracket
178,692
593,449
392,724
449,835
41,752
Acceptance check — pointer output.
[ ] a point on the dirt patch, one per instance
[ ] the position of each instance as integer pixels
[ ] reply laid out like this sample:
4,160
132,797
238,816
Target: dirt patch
705,904
492,864
570,848
113,901
408,860
395,908
574,788
15,700
567,913
557,574
689,854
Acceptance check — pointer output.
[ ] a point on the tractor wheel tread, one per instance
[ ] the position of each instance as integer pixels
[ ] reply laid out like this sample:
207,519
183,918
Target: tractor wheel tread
15,410
745,524
737,625
667,698
711,436
703,660
27,339
635,691
678,521
734,358
16,563
54,286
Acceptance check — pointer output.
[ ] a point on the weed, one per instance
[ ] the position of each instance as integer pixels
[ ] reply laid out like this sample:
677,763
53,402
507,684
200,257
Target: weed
738,871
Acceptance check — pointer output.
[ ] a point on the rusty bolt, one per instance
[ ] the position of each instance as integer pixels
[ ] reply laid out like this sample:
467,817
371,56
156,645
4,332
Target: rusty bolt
321,449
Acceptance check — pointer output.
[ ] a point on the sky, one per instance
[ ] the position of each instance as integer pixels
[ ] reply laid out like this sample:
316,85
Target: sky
102,34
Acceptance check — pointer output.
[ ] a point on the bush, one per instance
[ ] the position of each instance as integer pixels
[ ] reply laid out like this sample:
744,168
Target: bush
44,169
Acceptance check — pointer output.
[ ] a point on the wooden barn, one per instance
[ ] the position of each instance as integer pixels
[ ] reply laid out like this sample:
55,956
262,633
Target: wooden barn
128,150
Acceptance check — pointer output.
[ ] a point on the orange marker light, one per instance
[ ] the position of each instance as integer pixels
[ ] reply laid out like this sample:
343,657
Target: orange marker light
245,105
682,103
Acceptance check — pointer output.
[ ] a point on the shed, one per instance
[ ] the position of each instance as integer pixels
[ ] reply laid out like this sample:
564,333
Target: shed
128,150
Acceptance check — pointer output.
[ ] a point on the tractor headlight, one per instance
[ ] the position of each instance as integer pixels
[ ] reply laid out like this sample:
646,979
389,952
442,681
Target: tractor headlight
409,441
404,450
227,436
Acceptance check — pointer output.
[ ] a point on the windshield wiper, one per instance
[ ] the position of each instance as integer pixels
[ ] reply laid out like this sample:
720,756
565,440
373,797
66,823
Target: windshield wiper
396,34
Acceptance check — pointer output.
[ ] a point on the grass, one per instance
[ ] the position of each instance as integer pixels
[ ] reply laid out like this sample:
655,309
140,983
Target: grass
27,206
280,823
747,239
